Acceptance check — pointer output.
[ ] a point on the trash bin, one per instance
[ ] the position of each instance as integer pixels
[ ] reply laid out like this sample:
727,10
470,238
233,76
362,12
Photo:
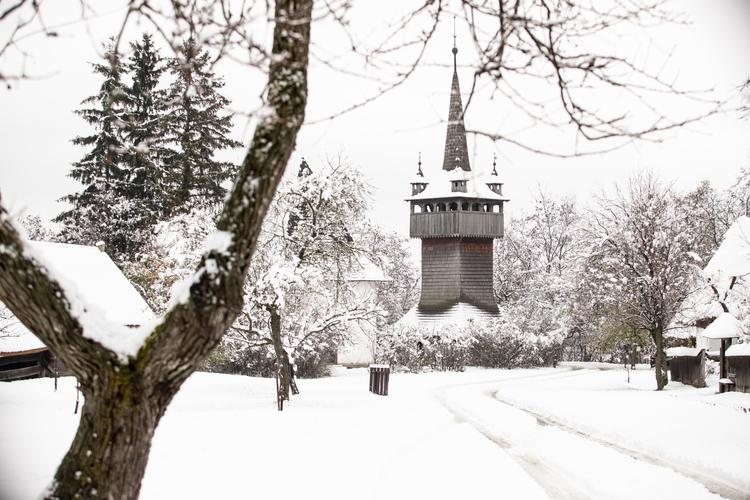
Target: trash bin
379,375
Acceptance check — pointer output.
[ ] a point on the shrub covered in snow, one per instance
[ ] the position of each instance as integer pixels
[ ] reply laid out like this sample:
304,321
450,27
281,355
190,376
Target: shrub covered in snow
500,343
413,348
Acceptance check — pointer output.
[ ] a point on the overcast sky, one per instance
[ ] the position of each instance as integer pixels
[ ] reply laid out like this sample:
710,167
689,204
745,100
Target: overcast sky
383,138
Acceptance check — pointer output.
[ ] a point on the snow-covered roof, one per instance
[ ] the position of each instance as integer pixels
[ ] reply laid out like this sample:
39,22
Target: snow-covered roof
732,258
98,284
699,305
738,350
439,186
674,352
457,314
725,326
367,270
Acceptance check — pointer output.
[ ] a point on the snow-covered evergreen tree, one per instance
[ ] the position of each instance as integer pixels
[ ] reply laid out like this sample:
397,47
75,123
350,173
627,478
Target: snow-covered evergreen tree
198,126
145,134
100,210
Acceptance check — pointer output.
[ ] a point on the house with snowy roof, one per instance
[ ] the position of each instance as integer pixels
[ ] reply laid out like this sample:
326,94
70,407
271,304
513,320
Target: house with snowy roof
722,291
97,282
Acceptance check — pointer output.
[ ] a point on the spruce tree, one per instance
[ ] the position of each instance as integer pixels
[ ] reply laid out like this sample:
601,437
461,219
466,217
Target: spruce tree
145,135
198,127
96,209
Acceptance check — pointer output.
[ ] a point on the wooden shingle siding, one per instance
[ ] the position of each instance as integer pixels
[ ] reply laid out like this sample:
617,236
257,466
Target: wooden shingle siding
456,224
476,273
457,269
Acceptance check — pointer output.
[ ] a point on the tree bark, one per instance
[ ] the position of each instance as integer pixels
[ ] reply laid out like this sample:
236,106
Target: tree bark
125,398
110,451
283,367
660,366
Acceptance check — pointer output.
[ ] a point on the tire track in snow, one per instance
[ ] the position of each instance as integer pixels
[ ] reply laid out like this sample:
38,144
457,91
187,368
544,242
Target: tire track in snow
560,479
555,484
712,484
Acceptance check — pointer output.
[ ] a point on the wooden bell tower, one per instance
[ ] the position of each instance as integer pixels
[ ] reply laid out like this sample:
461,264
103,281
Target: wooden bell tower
456,214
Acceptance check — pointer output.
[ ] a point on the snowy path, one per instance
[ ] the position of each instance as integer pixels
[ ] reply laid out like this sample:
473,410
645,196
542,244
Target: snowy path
555,434
567,465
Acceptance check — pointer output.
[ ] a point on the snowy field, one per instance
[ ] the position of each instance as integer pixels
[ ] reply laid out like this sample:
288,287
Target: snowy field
548,433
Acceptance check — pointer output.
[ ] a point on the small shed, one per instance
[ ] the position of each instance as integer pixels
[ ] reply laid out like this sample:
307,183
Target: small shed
726,328
687,365
738,366
97,281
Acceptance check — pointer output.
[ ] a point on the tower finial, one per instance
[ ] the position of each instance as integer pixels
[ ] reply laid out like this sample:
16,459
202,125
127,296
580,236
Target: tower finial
419,165
455,49
494,164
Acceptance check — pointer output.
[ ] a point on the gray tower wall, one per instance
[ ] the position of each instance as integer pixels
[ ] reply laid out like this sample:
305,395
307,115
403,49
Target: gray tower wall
456,269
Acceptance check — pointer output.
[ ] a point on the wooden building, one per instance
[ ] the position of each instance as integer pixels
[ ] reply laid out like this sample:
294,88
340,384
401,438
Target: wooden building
457,213
96,281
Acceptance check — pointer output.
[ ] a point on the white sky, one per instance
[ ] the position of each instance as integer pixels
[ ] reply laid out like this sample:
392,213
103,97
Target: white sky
383,138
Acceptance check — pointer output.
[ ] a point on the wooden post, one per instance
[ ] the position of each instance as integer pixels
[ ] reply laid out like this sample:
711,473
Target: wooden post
722,364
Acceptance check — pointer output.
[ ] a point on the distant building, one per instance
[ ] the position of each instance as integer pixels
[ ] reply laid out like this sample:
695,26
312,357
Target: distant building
457,213
364,280
97,281
728,267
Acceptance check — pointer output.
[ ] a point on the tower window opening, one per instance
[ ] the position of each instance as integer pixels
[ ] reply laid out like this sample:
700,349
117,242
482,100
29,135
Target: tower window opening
487,208
453,206
475,207
416,208
441,207
465,206
428,208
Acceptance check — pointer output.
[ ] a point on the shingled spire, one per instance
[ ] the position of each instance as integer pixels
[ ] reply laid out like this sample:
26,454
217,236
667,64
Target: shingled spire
456,152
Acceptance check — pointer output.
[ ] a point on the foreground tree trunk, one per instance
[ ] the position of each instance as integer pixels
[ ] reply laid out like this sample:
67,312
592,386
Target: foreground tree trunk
110,450
660,366
126,395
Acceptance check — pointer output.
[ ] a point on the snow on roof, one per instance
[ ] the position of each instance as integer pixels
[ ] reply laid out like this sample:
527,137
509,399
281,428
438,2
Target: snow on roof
14,337
100,296
457,314
723,327
367,270
700,304
97,279
439,186
674,352
739,350
732,258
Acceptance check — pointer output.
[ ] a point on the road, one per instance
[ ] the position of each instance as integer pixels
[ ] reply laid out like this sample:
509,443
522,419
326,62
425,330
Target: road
568,463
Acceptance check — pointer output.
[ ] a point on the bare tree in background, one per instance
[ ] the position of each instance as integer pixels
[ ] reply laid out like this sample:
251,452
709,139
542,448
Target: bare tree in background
642,267
514,40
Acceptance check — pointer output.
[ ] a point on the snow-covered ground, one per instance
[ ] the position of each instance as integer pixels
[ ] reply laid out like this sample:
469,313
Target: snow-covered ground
437,435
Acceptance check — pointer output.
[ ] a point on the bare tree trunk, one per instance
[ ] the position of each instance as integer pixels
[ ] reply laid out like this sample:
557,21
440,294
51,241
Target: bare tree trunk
125,398
660,366
283,367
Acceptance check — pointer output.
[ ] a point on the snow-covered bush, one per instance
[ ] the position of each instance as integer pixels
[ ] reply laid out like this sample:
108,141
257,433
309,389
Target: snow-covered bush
415,348
504,342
